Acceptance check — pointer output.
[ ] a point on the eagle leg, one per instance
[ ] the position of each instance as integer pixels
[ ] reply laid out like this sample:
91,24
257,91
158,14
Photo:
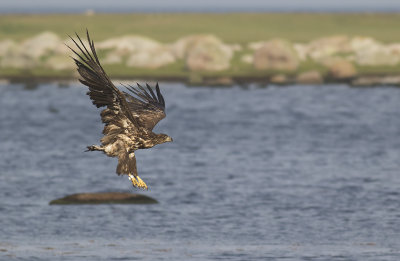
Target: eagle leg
137,182
94,148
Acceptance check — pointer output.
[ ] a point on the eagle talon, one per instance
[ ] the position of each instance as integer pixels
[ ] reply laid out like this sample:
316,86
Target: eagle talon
133,180
142,184
137,182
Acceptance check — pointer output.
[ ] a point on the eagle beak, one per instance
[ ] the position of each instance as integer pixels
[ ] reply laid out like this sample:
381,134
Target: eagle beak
170,139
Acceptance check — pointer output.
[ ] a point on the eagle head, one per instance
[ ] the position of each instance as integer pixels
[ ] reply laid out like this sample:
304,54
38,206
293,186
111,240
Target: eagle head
163,138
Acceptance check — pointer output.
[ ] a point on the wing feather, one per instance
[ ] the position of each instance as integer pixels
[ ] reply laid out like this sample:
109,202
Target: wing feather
102,91
146,105
160,97
151,92
144,108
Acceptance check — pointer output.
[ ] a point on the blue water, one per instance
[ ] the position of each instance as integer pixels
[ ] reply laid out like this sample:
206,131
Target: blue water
276,173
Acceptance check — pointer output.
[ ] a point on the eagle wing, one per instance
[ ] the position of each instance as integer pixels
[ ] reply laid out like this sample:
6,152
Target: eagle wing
148,107
101,90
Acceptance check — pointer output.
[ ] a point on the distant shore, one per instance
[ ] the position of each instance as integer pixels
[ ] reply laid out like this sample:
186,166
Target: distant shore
362,81
209,49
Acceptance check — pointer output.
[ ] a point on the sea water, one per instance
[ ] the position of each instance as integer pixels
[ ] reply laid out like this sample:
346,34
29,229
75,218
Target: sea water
256,173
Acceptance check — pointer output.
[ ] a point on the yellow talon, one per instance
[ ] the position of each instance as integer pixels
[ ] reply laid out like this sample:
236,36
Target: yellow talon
133,180
137,182
142,185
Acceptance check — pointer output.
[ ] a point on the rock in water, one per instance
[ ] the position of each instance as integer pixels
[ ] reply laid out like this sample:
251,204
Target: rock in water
104,198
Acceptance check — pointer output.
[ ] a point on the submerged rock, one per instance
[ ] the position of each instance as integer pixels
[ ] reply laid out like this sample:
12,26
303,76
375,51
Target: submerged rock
104,198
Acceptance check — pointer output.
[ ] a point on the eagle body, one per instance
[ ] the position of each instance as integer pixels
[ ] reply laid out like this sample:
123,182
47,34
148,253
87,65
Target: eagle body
129,118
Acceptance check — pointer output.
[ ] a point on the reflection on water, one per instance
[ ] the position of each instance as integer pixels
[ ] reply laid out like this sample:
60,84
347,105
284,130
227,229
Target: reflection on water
301,173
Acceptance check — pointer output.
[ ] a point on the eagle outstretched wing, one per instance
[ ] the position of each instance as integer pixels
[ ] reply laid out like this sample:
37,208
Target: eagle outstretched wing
143,111
148,107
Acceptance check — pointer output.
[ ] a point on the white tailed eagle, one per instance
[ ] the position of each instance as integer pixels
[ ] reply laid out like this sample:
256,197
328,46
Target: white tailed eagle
129,118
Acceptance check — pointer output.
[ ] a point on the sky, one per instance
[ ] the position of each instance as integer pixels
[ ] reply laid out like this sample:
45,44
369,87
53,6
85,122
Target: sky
46,6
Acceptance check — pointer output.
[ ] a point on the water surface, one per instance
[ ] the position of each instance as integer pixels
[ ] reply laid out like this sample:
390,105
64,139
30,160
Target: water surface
293,173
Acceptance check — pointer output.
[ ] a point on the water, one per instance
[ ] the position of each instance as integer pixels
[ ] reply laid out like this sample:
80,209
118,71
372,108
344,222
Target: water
294,173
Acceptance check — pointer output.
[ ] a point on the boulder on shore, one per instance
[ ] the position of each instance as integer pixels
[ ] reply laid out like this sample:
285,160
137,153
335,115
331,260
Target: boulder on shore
59,63
6,46
112,58
204,53
279,79
276,54
104,198
16,60
342,69
40,45
310,77
129,44
376,80
247,58
370,52
321,48
151,59
141,51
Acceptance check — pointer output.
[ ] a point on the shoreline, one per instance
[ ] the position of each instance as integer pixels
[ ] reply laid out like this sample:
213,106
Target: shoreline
227,49
375,80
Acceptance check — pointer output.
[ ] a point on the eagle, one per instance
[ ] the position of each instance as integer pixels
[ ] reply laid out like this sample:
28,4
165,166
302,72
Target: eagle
129,116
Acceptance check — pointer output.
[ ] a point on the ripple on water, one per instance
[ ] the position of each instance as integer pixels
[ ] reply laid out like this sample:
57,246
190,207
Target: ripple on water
298,173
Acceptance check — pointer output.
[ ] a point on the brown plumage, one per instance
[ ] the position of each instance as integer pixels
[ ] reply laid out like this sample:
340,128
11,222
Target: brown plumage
129,118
